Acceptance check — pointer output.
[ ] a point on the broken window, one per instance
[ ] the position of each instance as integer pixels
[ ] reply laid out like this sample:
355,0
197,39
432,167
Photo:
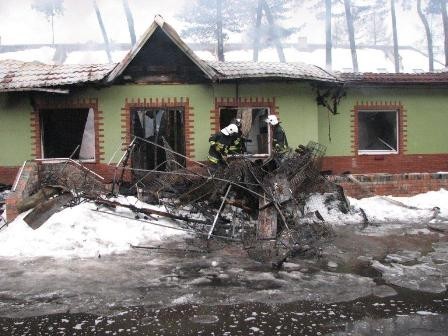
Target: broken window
254,128
378,132
163,126
68,132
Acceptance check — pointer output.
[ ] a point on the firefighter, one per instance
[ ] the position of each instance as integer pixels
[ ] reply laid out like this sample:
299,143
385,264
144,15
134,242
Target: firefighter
220,143
279,141
236,145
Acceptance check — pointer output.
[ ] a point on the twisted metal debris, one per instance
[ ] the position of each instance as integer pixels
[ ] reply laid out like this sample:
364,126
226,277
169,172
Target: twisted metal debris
260,204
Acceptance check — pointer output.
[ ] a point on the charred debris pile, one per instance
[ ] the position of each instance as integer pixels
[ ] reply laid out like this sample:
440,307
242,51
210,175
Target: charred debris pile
257,203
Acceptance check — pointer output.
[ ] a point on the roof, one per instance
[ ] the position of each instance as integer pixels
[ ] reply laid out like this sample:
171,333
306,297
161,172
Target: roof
25,76
395,78
240,70
159,23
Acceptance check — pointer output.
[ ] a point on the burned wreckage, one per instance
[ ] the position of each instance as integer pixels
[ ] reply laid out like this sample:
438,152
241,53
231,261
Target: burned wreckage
259,204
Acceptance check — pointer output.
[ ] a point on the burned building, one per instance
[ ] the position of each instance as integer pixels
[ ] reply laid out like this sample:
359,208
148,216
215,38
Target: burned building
161,91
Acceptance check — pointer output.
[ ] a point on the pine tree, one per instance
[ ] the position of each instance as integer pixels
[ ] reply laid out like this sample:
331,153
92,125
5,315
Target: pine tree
103,30
50,8
130,19
438,7
212,21
422,12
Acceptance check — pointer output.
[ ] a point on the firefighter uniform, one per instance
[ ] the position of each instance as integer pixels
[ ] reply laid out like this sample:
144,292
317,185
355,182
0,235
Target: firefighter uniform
220,144
236,144
279,140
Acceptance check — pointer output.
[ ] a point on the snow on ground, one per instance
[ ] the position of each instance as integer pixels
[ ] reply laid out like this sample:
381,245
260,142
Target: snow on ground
385,209
81,231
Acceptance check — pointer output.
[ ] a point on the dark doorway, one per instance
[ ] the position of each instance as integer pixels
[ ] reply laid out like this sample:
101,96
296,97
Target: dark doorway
161,126
64,130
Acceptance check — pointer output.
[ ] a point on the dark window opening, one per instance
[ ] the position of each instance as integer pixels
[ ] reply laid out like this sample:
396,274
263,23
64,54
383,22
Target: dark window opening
161,126
377,131
254,127
68,132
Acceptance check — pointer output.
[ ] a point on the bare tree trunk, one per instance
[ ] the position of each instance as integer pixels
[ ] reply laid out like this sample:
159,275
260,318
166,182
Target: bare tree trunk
278,44
395,36
328,39
428,35
445,28
257,30
52,29
103,30
130,20
351,34
219,36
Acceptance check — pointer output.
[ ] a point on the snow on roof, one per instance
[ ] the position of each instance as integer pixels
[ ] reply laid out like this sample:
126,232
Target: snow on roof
369,59
396,78
237,70
21,76
93,57
43,55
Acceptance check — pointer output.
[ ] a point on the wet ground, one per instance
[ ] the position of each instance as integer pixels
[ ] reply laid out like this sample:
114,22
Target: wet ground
361,284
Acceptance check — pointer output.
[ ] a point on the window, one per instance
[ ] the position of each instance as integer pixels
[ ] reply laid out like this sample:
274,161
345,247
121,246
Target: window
378,132
254,128
163,126
68,133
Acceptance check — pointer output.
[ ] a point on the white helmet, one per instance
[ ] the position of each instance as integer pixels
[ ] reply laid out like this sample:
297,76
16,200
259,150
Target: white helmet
229,130
272,119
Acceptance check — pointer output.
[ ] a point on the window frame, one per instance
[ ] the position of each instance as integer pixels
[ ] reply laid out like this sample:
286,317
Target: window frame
42,135
166,108
269,134
380,151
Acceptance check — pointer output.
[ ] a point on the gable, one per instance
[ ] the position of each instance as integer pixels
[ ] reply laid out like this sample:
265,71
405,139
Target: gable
161,57
161,60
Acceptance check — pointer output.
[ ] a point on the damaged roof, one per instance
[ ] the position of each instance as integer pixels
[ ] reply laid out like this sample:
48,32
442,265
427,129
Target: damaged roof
171,33
395,78
27,76
240,70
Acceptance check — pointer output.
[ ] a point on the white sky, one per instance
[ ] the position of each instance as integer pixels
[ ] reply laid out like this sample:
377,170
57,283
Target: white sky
20,24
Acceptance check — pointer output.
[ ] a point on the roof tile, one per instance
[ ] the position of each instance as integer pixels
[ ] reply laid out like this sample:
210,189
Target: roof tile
238,70
18,75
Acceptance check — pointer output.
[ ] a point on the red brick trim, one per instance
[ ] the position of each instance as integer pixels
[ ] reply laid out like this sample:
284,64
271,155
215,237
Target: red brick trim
8,174
392,164
182,102
380,106
392,184
64,103
240,102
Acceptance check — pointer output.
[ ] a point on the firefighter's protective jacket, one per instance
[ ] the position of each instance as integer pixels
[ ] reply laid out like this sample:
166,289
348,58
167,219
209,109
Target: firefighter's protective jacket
236,144
279,140
219,147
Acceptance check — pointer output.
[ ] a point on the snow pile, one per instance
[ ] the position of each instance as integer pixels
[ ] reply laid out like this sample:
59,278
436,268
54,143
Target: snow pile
81,231
412,210
3,195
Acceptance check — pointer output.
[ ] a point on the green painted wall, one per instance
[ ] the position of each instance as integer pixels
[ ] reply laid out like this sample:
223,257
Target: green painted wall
15,130
112,100
295,102
427,116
